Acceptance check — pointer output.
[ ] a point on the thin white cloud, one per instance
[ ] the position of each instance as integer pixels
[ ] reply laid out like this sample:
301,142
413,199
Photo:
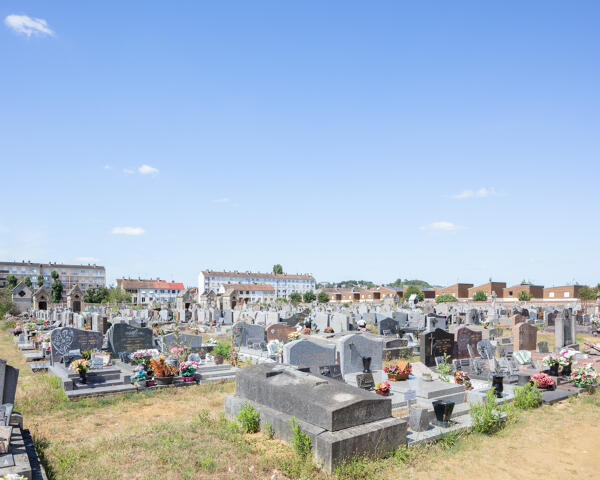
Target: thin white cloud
107,167
481,193
27,25
128,231
442,227
148,170
221,200
128,171
88,259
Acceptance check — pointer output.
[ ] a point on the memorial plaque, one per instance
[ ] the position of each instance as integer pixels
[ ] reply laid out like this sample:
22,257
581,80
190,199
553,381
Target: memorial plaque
331,371
365,381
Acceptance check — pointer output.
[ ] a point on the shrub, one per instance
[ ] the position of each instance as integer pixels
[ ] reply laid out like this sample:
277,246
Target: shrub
487,417
269,432
444,369
248,418
301,441
480,296
527,397
445,298
222,348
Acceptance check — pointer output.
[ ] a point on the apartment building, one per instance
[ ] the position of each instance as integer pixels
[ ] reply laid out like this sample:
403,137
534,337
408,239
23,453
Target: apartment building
250,292
86,276
564,293
428,293
283,284
458,290
488,288
512,293
147,292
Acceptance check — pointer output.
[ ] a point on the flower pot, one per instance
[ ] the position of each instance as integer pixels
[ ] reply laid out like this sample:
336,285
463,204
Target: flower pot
164,380
397,377
140,384
566,370
188,379
383,393
83,377
218,359
553,370
150,383
443,412
497,385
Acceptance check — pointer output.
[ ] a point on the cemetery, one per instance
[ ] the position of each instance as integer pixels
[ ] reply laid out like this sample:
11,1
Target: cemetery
353,382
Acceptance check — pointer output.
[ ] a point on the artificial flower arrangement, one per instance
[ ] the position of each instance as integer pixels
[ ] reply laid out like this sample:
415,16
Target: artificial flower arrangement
551,360
188,370
565,356
294,336
584,376
306,331
328,330
383,388
177,352
542,380
80,366
399,371
141,357
139,374
161,368
462,378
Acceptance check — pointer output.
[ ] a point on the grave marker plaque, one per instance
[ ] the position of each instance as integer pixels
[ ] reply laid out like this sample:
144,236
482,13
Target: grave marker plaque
123,338
436,343
464,337
65,339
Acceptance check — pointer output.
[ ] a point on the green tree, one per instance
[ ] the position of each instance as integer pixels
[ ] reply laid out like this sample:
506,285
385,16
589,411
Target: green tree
586,294
277,269
57,290
96,295
524,296
480,296
323,297
309,297
118,295
40,280
295,297
445,298
6,304
54,275
413,289
11,281
27,281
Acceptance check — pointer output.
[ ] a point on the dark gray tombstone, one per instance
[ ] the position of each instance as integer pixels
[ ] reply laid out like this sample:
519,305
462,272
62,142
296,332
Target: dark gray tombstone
67,339
123,338
388,325
436,343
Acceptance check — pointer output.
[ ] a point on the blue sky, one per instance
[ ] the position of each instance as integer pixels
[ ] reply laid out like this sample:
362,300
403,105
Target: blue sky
439,140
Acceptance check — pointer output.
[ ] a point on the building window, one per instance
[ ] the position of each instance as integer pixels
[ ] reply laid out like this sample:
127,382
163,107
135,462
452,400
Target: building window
567,294
551,294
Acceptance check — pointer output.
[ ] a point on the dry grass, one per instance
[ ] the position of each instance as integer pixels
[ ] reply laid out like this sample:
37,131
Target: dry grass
180,433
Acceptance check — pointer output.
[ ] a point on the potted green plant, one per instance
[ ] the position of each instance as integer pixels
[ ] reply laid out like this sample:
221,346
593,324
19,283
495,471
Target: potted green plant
81,366
221,351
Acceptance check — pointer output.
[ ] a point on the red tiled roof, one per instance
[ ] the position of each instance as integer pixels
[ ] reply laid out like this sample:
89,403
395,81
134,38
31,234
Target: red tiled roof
131,284
256,275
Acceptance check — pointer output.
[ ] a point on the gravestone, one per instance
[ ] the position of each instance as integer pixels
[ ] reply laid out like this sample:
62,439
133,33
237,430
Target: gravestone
353,348
542,347
321,321
564,330
524,336
340,322
496,333
473,317
65,339
388,326
331,371
279,331
244,334
123,338
486,349
464,337
436,343
308,354
9,377
518,318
